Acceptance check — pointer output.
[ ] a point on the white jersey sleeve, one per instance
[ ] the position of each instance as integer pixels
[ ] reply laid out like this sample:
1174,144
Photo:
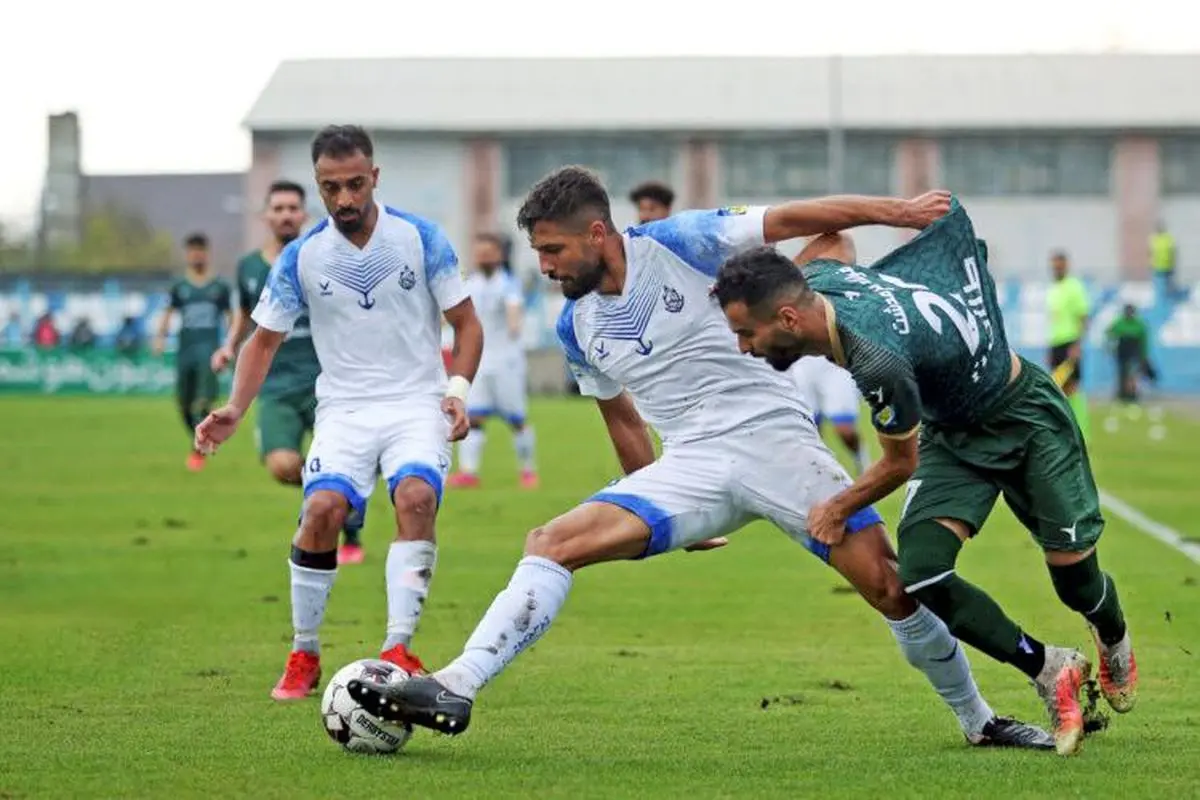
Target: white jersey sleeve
282,301
706,239
442,275
592,382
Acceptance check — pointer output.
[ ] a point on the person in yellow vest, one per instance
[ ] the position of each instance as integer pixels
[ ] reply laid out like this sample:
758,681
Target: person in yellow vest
1069,307
1162,260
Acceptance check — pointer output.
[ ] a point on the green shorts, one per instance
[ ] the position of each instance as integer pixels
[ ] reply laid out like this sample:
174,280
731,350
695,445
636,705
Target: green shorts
1030,450
283,421
195,382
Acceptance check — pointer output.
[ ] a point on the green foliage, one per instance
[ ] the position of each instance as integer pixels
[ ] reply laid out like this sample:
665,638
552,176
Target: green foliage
112,239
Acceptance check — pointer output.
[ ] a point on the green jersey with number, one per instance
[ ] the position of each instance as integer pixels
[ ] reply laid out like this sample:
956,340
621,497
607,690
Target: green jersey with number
200,307
921,330
295,367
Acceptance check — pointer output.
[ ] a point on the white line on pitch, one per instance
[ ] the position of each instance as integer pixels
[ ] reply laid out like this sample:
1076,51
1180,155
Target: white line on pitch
1166,535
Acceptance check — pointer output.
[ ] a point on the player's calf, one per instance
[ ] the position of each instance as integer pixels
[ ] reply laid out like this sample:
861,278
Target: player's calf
409,571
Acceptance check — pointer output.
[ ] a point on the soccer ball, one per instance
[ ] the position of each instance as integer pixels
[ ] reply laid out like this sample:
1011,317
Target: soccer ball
348,724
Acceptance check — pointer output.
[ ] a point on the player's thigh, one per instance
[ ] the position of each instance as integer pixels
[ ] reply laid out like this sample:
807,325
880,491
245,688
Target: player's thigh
280,425
683,498
208,384
945,486
415,445
783,470
481,399
186,381
344,456
510,394
1053,491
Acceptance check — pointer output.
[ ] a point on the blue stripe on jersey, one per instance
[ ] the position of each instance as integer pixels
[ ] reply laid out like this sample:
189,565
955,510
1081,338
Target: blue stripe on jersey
440,258
283,281
565,328
694,236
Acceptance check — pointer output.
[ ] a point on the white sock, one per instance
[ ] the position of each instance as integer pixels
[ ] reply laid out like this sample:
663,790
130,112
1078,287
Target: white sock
516,619
470,451
310,594
925,641
523,442
409,570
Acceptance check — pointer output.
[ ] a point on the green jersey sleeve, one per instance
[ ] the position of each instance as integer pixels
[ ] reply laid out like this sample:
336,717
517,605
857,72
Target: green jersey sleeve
887,382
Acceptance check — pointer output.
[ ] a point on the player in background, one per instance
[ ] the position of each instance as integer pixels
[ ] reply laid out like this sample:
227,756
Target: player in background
375,283
499,387
202,300
1068,305
288,401
641,333
922,333
654,201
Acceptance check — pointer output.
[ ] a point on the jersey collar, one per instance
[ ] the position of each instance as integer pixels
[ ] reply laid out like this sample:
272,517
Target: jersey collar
835,339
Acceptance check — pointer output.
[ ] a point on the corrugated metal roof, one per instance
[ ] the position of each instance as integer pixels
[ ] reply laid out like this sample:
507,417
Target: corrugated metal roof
883,92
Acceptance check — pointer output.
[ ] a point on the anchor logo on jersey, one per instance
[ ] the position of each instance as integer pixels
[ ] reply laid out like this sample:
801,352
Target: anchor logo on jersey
672,300
643,346
363,275
408,279
325,290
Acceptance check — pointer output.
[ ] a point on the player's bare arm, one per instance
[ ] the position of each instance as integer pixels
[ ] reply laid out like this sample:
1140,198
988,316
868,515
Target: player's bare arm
628,431
802,218
827,521
160,336
468,348
252,364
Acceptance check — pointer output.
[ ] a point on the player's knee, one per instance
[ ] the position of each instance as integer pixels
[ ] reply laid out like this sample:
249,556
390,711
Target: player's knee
848,433
882,589
557,544
414,497
325,514
285,466
928,552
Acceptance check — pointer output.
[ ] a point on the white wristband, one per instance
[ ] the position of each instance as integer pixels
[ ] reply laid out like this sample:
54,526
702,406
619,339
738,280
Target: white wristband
458,387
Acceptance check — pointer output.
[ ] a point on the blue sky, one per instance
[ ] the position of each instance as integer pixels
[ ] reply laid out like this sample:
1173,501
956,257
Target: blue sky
166,90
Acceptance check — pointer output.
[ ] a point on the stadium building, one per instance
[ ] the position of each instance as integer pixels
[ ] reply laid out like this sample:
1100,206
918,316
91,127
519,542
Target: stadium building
1084,153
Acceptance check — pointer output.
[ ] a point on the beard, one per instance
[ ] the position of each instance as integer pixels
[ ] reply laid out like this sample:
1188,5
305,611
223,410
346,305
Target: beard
287,237
349,224
585,282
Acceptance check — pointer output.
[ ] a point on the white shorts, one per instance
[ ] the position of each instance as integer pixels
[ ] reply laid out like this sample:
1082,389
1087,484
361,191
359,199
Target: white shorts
776,470
501,393
353,445
828,388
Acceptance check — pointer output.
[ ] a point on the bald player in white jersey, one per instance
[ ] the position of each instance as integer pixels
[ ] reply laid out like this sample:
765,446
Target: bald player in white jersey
375,283
642,335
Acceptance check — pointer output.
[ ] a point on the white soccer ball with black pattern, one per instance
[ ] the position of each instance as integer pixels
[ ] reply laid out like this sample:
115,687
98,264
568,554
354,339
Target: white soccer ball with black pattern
348,723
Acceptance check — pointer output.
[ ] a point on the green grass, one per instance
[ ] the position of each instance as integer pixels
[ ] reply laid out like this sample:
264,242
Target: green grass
144,618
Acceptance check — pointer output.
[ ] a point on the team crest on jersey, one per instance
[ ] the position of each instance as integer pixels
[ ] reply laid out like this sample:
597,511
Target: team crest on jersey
672,300
886,416
408,278
733,211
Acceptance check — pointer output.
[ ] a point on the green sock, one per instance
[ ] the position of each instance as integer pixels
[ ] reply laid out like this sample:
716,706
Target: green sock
928,551
351,537
1079,405
1084,588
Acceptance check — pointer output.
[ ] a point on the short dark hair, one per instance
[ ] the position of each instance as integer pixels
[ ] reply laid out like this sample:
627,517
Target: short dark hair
492,238
341,141
562,195
196,240
758,277
653,190
284,185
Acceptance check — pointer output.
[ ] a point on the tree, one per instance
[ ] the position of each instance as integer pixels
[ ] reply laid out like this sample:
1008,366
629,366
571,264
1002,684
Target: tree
112,239
16,253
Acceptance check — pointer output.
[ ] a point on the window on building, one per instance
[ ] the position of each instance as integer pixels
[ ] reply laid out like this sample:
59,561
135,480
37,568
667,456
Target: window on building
621,162
1179,165
797,165
1026,165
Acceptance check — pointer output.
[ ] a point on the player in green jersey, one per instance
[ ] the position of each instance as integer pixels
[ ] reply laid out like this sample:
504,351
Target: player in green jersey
287,403
202,301
922,334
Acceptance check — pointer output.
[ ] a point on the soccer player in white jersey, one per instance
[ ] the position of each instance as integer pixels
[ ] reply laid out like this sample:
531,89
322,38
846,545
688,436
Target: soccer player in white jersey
374,282
642,335
499,387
